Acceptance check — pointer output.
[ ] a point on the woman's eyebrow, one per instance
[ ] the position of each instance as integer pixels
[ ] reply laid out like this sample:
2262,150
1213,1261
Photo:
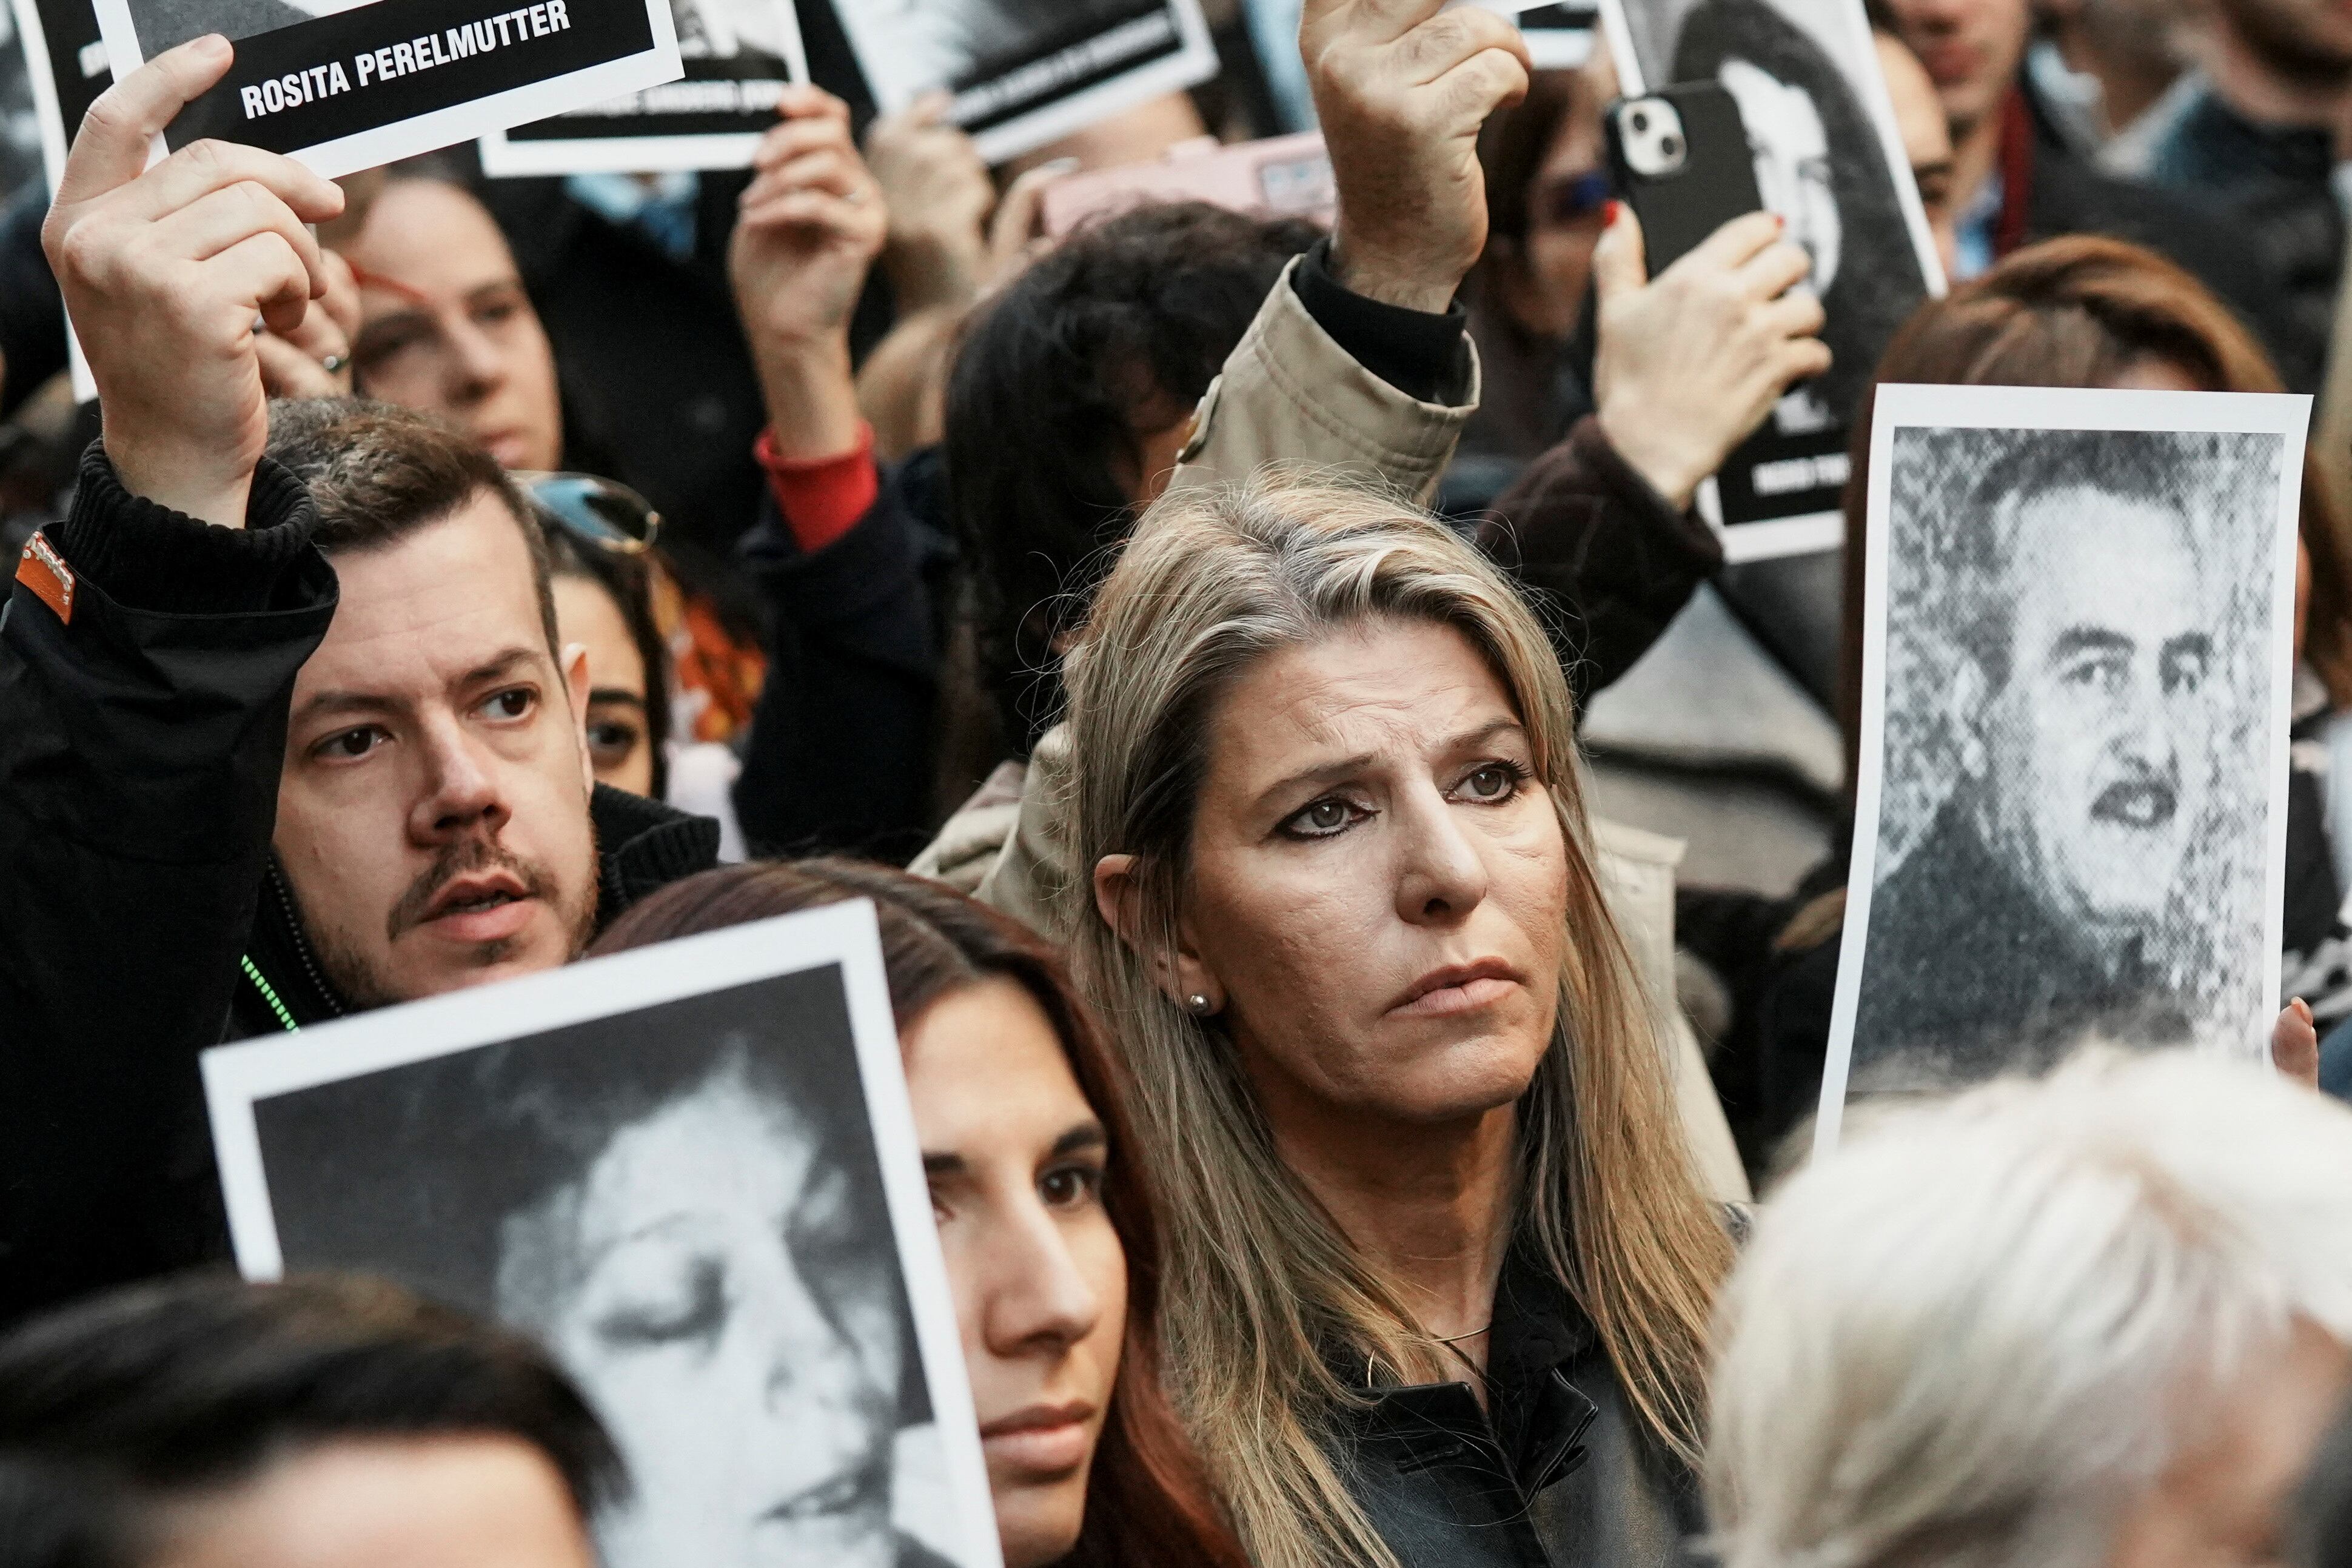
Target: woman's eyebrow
1088,1137
944,1165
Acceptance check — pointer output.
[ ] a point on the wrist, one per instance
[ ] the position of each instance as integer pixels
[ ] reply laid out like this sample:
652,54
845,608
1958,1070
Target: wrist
811,399
191,482
1662,464
1360,271
926,270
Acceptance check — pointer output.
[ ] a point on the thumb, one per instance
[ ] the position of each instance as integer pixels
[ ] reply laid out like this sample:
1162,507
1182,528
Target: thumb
2295,1044
1619,264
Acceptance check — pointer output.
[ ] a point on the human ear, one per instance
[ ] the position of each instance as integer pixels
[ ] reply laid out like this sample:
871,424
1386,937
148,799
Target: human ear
1181,976
575,682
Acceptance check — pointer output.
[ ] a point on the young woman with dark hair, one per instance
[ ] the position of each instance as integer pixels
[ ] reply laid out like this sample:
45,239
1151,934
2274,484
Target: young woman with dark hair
1049,1227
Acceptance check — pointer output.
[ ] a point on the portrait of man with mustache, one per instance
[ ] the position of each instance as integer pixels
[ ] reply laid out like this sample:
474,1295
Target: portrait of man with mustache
2069,615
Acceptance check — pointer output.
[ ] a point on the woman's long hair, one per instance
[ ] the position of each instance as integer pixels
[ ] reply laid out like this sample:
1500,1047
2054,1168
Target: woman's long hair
1148,1502
1261,1282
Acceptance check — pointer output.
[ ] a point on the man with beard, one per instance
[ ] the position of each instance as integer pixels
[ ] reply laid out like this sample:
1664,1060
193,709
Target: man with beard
286,730
2260,131
2045,898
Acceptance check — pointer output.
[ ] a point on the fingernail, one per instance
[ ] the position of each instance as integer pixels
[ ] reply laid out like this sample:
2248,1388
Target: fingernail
1058,167
213,44
1778,221
1609,214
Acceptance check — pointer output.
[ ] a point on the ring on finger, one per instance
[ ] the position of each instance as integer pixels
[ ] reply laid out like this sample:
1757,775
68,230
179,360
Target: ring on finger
333,364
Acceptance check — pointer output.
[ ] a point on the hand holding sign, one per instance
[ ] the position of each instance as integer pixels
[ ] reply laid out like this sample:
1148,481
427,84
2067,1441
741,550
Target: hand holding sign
163,272
1402,87
1691,362
811,222
938,195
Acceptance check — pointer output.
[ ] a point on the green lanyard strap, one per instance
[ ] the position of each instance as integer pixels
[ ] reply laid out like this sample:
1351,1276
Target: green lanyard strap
270,996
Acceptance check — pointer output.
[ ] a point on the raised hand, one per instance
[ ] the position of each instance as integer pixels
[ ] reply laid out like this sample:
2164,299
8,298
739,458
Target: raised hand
1401,88
938,195
811,222
1690,363
163,271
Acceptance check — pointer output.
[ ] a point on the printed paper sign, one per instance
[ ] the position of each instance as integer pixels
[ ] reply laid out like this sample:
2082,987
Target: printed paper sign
692,1173
1024,72
345,85
739,54
2071,809
1829,161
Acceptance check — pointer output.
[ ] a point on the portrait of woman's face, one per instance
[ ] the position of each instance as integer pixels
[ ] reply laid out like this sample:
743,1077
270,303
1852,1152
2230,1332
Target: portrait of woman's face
721,1292
1792,149
1378,879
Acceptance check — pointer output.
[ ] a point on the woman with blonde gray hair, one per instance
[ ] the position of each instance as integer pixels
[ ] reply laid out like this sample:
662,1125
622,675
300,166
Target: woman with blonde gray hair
2095,1322
1439,1266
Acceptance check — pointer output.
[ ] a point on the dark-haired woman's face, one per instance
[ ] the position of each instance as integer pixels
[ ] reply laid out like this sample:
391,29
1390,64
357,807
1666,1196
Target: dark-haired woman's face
714,1284
620,746
1016,1160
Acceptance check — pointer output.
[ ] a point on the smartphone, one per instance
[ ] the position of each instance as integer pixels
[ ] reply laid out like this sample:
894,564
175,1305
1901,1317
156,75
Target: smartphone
1681,161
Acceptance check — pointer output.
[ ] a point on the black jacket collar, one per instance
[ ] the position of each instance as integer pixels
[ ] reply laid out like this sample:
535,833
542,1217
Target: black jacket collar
1560,1475
1536,1416
652,845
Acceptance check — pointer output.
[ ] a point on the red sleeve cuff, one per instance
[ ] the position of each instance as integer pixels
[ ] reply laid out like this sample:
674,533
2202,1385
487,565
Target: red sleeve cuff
821,499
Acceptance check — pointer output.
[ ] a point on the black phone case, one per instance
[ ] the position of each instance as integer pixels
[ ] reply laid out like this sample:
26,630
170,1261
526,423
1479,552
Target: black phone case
1716,181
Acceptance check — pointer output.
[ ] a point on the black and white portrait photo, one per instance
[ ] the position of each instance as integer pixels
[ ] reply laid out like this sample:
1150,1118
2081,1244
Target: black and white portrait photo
345,85
2071,809
1829,163
688,1199
1024,72
739,57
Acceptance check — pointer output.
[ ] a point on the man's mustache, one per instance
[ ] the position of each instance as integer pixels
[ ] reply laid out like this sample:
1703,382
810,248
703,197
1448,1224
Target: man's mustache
464,858
2145,799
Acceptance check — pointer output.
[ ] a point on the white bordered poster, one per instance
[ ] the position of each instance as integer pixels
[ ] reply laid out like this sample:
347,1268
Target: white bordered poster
1023,72
1829,162
2070,816
739,57
691,1171
345,85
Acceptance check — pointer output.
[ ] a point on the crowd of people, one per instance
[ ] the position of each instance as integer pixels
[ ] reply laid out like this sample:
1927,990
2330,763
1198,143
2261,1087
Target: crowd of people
1181,632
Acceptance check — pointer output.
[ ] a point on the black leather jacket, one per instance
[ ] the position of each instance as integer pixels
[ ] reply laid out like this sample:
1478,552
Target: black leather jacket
1561,1476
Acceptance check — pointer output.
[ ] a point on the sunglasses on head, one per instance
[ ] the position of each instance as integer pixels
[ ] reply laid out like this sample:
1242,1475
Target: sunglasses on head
1577,196
605,517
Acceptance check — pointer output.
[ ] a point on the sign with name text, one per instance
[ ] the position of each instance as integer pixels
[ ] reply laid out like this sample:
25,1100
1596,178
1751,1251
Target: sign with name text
344,86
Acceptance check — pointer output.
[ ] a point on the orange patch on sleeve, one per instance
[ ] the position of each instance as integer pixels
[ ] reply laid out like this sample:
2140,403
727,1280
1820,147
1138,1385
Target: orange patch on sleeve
44,571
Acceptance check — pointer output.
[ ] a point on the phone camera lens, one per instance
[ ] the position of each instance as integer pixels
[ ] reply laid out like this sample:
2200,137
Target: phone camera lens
1670,145
1641,121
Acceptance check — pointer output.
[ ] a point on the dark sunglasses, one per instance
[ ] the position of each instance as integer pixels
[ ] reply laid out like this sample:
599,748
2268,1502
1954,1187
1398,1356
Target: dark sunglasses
598,513
1577,197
